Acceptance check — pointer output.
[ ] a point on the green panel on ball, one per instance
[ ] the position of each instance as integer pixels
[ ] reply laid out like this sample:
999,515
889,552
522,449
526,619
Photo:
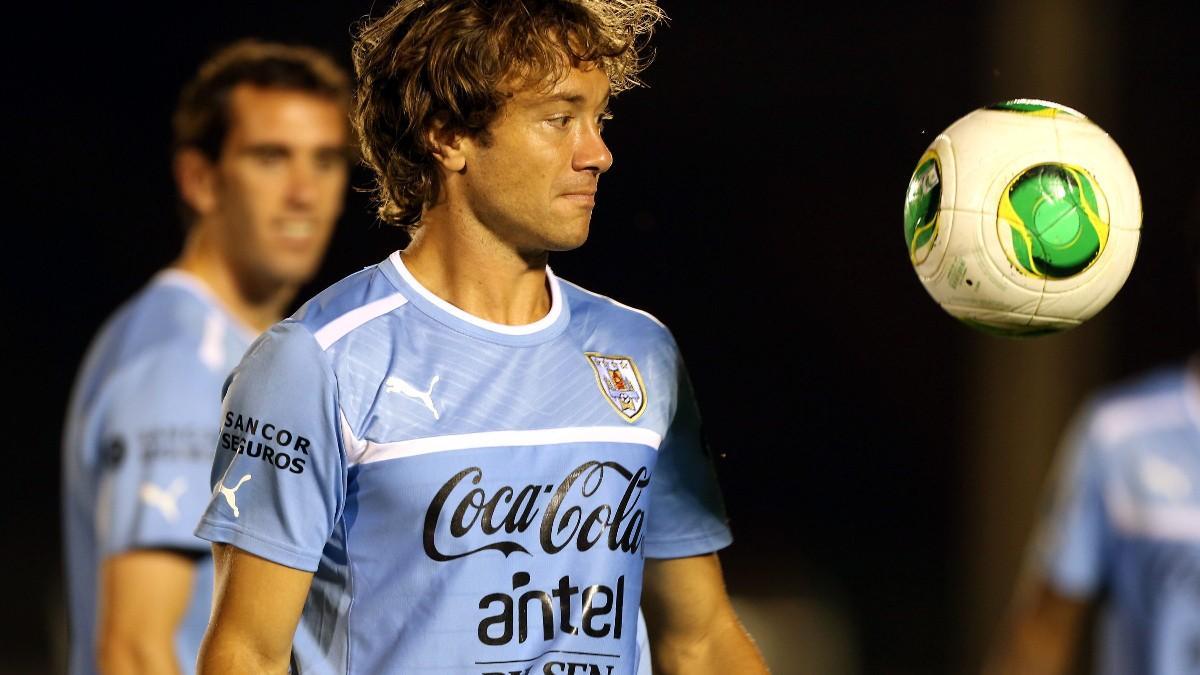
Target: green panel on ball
1033,106
1050,212
921,204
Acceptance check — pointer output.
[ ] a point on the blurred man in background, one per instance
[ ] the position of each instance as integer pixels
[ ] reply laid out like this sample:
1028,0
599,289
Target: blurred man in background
261,147
1123,536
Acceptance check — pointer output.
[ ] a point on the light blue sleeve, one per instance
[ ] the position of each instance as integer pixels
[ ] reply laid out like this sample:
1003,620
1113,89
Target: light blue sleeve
1075,534
155,440
279,476
687,514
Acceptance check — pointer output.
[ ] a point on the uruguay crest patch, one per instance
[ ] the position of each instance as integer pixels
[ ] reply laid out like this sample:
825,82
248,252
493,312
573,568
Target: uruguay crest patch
620,382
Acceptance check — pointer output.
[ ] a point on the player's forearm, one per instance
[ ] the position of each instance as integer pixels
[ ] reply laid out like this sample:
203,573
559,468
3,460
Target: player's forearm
256,606
149,652
1041,636
725,649
225,654
1030,650
144,595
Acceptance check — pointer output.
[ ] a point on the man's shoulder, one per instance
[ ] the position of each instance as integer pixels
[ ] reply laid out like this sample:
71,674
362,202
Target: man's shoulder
347,305
1153,402
604,313
162,311
162,322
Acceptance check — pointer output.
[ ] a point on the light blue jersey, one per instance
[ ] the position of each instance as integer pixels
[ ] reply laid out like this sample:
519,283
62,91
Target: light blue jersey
1127,522
137,449
472,497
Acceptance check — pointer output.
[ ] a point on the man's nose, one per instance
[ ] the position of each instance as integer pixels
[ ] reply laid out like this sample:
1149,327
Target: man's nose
592,153
302,184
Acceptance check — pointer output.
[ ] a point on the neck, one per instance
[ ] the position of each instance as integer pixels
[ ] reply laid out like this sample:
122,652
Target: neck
473,270
255,302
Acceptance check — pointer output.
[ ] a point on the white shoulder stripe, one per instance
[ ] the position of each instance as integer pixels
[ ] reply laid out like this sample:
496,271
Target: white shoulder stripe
366,452
1123,419
1175,522
355,447
339,327
212,344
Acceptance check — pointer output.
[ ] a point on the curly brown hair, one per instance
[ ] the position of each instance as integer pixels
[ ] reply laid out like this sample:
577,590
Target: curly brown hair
457,61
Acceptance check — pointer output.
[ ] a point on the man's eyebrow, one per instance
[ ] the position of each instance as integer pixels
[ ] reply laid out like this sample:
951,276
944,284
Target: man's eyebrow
342,152
266,147
572,97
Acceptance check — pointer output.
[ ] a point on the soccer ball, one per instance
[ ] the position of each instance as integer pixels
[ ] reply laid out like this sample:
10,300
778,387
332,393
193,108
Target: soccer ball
1022,218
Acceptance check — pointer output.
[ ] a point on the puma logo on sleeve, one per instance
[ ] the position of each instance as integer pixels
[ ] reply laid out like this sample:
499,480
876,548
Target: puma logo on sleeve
166,501
230,494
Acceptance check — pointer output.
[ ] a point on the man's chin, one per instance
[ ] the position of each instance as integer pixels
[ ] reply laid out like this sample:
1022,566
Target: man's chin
566,245
568,239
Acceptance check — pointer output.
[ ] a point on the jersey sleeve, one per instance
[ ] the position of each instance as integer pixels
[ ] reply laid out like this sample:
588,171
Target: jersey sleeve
1072,544
687,514
155,447
279,475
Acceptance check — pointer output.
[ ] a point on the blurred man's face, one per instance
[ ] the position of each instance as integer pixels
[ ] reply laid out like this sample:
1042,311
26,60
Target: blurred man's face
279,183
533,179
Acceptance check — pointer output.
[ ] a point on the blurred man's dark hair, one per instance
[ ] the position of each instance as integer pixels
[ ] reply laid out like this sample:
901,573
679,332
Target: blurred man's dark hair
201,120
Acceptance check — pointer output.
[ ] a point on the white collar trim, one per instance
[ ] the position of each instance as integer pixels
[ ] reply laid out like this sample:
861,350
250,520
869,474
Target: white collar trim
176,277
556,304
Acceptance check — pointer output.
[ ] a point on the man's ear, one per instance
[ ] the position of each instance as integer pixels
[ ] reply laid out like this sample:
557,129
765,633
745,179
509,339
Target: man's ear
446,144
196,179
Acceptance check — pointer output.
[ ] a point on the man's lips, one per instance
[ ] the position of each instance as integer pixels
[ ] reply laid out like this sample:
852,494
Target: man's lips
581,196
296,233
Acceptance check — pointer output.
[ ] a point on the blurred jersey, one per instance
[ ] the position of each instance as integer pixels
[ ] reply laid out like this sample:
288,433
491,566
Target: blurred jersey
1127,523
472,497
137,449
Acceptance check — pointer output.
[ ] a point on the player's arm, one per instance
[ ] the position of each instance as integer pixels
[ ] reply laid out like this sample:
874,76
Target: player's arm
151,465
1067,567
256,607
1041,636
143,597
269,521
693,628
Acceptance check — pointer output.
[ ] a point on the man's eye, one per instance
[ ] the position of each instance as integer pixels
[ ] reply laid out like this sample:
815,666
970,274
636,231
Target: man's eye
331,160
560,122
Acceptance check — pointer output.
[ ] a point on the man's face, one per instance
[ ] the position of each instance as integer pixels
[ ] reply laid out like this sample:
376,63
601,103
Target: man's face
532,180
279,183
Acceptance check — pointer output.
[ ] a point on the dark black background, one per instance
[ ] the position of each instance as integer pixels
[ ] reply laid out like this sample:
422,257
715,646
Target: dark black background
754,206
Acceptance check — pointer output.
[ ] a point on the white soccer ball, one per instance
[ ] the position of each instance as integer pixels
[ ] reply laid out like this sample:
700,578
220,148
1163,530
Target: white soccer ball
1023,218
